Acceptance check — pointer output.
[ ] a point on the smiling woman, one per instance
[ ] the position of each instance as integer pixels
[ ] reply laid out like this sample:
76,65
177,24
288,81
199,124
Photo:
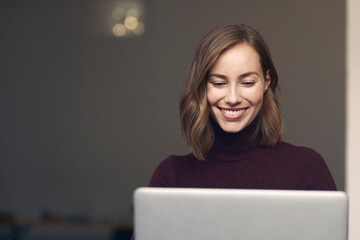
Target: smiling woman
231,120
231,53
235,88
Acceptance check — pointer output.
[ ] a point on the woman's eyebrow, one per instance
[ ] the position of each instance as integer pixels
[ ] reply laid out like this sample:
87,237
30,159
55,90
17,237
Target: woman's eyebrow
225,77
248,74
217,75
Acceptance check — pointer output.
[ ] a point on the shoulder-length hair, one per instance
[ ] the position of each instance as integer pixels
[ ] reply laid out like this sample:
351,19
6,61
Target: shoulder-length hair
194,110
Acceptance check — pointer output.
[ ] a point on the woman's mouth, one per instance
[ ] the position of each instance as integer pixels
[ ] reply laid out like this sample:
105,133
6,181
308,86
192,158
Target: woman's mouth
233,114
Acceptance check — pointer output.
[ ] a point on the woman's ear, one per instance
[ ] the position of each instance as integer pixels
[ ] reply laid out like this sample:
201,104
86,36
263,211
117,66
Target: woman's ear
267,80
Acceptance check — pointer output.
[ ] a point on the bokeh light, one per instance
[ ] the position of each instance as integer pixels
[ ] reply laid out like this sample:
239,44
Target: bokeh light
131,22
118,13
139,29
119,30
127,20
133,12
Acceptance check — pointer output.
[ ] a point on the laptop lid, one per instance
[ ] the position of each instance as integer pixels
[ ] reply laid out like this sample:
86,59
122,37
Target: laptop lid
228,214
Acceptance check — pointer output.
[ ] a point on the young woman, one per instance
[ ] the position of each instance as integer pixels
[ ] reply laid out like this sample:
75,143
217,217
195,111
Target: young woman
231,120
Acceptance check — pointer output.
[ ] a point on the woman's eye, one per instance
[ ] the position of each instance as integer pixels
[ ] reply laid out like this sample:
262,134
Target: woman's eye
218,84
249,83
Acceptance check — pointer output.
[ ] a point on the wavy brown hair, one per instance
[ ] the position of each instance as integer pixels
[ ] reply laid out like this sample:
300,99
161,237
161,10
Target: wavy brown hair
194,110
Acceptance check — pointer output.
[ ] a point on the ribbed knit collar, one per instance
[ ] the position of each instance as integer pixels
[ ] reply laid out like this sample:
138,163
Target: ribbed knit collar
233,146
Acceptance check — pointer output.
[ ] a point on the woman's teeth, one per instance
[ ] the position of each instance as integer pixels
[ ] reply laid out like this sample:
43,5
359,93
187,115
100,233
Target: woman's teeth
233,113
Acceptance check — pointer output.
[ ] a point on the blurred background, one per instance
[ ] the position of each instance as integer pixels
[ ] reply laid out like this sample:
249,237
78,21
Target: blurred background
89,93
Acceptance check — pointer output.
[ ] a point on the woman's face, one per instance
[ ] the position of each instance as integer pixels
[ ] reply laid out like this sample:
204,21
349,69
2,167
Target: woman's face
235,88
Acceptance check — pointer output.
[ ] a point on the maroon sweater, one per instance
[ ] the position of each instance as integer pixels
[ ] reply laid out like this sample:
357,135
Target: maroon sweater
237,161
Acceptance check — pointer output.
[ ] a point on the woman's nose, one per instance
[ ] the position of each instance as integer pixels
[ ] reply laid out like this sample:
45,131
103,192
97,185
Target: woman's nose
233,96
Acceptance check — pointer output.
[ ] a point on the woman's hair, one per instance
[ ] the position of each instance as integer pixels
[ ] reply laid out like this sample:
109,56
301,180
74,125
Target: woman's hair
194,110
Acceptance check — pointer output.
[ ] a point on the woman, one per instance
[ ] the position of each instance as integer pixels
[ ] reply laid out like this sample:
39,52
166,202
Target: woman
231,120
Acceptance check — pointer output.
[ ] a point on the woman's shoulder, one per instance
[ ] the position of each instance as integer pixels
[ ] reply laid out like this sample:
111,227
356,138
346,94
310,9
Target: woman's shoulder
175,159
164,174
316,174
303,156
305,153
292,149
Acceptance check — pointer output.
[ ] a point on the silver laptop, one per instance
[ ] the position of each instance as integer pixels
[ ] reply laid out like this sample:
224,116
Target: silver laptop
227,214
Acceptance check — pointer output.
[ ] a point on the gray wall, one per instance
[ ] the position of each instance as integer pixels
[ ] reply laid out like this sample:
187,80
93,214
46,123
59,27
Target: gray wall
86,117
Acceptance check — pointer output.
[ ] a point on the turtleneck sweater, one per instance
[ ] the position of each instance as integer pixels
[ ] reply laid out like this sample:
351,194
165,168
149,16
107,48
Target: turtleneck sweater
236,160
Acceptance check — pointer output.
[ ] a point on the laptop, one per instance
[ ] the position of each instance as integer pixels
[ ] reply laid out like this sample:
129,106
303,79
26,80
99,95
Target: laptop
229,214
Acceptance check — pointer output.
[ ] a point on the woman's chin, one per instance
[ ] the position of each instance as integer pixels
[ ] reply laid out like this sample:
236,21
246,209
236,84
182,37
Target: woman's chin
231,128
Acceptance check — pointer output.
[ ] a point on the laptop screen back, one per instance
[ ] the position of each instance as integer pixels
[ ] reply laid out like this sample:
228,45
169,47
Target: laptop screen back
227,214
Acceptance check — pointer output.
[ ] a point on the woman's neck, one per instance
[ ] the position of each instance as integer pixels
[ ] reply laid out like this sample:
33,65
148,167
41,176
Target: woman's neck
227,144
